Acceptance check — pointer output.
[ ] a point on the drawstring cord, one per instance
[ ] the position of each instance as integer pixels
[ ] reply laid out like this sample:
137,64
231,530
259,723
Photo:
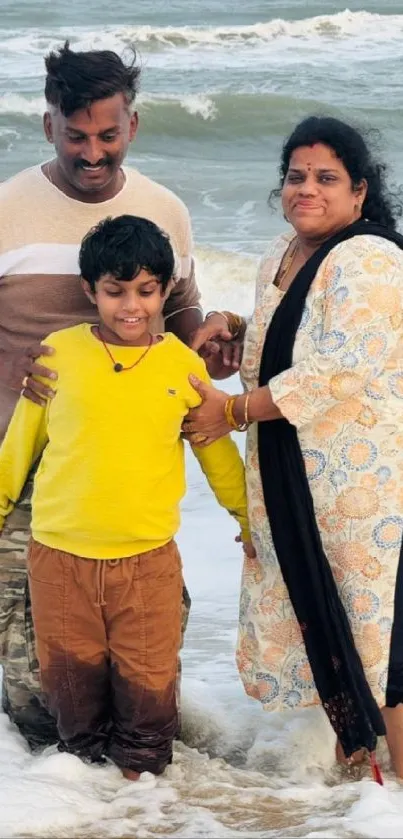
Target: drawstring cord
101,568
100,579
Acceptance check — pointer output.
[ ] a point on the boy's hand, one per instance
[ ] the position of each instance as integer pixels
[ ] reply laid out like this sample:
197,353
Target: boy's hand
247,546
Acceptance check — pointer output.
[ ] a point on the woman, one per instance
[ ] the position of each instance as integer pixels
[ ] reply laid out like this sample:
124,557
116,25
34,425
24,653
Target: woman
322,370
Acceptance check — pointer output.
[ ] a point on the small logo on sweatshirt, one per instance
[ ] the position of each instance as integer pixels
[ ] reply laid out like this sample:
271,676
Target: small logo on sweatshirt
171,391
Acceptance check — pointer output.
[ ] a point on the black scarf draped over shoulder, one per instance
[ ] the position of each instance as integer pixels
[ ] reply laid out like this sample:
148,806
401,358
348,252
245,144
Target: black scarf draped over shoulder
334,660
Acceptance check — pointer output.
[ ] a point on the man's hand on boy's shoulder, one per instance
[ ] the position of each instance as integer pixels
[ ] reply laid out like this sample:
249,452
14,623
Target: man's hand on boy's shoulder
19,369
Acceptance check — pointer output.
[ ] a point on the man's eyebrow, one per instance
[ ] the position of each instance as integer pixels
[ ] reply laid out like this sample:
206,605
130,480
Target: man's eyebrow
108,130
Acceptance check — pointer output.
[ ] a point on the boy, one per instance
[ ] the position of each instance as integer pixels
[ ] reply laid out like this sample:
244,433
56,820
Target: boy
105,575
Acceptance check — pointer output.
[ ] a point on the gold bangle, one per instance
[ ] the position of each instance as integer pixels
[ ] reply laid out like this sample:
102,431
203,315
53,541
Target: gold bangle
228,412
229,415
222,314
246,410
235,323
197,438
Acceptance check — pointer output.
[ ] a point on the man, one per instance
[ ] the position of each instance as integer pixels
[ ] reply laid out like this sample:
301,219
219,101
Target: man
44,213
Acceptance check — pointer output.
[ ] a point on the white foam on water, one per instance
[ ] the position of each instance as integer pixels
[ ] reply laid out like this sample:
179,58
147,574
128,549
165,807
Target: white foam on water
200,105
339,25
240,772
378,811
186,48
194,104
343,24
226,280
16,103
197,104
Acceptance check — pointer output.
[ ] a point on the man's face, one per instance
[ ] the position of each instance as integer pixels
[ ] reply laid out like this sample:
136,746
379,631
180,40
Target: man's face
92,143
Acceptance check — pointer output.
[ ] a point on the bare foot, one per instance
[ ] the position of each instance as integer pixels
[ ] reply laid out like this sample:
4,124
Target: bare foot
356,757
394,724
130,774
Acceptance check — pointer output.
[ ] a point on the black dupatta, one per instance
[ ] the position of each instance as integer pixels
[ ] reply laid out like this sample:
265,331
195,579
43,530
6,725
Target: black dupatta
335,663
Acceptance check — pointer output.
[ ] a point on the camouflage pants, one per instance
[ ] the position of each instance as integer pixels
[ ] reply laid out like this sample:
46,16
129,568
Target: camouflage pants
21,686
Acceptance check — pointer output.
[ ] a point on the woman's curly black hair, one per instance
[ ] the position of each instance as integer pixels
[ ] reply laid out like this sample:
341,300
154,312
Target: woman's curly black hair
352,149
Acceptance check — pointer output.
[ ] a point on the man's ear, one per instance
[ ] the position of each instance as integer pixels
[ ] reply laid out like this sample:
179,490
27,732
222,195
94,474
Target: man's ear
134,124
48,127
87,291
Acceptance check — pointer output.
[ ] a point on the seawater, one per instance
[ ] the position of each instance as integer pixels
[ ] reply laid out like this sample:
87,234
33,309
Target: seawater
223,82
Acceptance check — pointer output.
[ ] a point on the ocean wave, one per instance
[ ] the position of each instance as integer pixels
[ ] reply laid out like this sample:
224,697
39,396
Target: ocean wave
214,115
226,279
195,104
224,116
198,117
15,103
345,24
199,105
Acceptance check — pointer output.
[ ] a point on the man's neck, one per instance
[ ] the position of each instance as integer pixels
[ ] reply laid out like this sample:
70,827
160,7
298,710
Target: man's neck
54,175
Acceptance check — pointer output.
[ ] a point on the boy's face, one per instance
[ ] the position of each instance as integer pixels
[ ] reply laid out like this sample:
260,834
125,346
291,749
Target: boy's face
127,307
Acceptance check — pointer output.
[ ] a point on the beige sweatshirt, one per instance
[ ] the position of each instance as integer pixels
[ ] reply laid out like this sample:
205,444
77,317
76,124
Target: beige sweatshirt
40,234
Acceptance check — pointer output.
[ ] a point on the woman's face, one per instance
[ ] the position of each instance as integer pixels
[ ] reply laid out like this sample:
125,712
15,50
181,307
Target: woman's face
318,196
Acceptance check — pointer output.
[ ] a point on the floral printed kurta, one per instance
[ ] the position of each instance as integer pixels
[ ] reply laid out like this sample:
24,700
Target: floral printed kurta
344,394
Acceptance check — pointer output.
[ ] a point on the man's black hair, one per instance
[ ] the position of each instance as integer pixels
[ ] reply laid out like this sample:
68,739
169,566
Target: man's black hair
75,80
122,247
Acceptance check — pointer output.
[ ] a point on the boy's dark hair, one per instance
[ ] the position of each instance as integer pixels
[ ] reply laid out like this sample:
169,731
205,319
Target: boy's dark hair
74,80
122,247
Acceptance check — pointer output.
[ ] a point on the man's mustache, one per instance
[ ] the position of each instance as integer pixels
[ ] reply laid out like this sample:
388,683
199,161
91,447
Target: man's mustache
81,164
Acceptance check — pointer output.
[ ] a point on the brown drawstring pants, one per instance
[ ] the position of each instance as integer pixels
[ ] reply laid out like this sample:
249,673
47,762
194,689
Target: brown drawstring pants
108,634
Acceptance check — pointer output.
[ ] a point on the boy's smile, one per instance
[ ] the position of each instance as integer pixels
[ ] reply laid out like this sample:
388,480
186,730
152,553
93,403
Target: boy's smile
127,307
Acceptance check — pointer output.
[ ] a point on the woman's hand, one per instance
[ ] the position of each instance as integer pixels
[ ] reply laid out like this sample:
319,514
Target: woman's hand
248,548
206,423
214,342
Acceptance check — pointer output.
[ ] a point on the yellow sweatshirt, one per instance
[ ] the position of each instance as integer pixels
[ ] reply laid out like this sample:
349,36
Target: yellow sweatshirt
112,471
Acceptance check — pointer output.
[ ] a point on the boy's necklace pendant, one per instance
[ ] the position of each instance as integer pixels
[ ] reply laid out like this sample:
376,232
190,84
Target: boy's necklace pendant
117,366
